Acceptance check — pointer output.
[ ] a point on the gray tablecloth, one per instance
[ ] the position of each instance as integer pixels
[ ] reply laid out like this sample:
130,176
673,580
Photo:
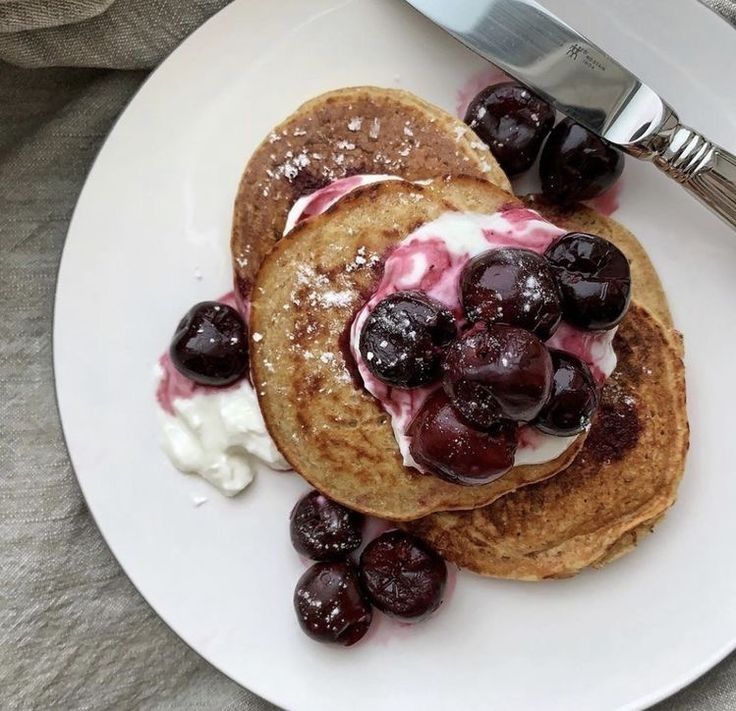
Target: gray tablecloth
74,634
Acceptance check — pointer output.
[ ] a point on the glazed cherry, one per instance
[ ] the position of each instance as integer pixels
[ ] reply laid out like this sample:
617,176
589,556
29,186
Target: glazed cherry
577,165
573,400
404,337
515,287
322,529
446,445
210,345
402,576
513,122
330,603
497,372
594,279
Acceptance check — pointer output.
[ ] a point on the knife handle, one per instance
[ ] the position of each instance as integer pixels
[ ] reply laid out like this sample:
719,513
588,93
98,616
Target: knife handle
703,168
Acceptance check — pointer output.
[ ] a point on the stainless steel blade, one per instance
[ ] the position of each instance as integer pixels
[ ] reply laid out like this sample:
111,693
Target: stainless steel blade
537,48
583,82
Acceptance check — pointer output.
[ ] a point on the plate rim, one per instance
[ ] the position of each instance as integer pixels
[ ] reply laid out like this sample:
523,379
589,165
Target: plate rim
639,704
54,328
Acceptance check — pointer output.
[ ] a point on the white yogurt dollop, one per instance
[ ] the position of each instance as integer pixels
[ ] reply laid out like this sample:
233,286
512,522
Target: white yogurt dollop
216,433
221,436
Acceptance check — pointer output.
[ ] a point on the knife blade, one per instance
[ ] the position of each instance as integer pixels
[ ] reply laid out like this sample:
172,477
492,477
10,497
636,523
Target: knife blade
583,82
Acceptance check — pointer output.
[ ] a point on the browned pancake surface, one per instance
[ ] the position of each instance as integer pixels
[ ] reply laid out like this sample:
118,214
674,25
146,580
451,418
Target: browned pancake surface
333,433
623,480
348,432
346,132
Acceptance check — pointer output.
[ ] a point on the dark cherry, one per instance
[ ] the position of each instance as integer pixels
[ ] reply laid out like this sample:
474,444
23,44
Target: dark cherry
402,576
210,345
594,279
573,400
513,122
446,445
577,165
404,337
515,287
322,529
330,603
497,372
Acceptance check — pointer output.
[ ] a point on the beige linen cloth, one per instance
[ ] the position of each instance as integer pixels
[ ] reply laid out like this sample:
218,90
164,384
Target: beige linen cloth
74,633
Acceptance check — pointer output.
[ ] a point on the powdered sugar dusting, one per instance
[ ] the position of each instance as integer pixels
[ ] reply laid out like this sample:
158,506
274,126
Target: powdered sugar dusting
287,162
362,259
290,167
375,129
336,298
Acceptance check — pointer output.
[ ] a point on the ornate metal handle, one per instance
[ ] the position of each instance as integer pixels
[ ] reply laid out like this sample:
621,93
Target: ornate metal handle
704,168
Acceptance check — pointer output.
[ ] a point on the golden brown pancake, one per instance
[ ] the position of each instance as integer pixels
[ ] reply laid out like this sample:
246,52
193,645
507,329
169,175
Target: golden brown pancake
622,482
337,436
309,287
350,131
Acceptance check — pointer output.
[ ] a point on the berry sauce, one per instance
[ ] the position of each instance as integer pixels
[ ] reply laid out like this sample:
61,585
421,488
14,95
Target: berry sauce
609,202
431,260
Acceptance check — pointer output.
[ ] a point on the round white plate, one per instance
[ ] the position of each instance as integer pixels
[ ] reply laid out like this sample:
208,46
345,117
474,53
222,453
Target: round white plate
156,212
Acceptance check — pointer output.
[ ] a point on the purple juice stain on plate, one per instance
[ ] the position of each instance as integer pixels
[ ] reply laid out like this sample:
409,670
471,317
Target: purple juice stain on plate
609,202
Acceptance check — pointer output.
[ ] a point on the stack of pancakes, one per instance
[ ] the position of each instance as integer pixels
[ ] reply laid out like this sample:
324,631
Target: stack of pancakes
585,508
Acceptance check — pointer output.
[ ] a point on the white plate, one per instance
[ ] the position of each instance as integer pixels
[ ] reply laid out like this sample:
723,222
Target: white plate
157,207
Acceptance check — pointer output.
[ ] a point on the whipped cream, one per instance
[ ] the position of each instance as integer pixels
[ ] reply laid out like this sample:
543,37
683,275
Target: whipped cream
430,260
216,433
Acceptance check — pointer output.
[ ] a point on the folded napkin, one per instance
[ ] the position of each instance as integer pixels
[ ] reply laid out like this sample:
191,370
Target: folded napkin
24,15
119,34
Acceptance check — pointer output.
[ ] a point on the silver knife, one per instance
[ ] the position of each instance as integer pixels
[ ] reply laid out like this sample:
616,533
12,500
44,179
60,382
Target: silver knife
532,45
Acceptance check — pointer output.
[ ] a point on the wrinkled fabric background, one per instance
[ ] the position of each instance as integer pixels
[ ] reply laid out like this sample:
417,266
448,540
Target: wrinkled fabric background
74,633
